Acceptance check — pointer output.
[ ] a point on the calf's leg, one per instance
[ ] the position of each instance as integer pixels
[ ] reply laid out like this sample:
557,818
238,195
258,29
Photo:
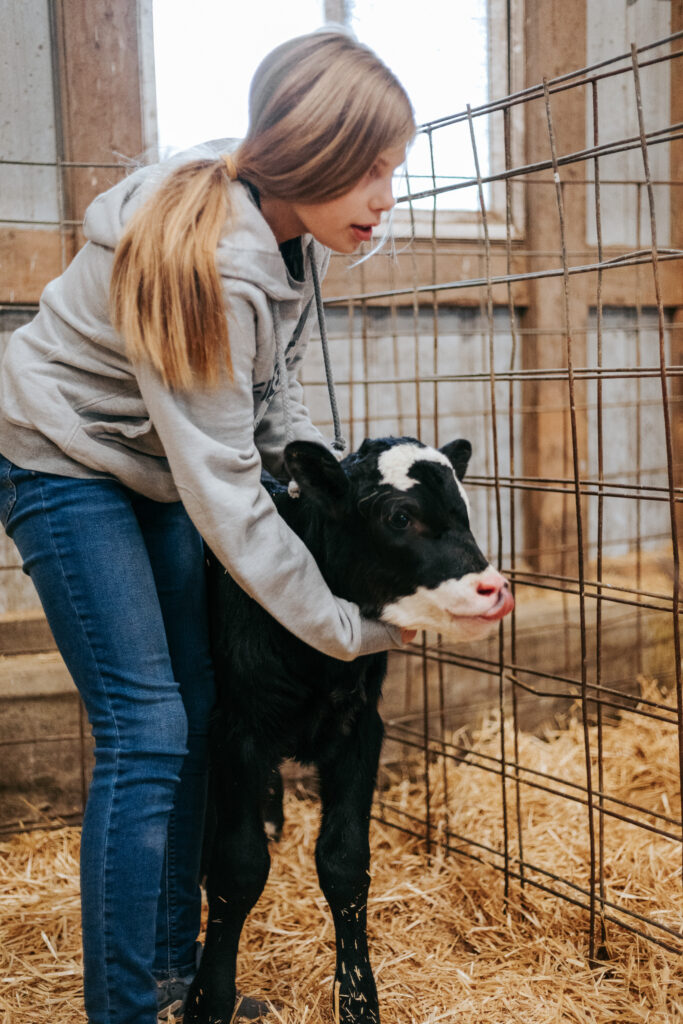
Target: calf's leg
343,861
238,871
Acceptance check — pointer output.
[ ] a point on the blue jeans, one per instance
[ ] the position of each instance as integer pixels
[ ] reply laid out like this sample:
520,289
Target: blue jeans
121,580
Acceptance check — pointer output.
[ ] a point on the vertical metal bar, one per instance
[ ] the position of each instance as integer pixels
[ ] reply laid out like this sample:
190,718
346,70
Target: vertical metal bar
435,299
437,441
416,342
396,355
507,117
55,10
496,477
413,226
638,430
352,375
577,505
65,235
667,419
364,344
425,740
444,762
602,951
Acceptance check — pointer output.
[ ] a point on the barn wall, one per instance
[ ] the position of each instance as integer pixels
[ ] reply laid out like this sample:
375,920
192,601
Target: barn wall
77,88
611,26
92,102
28,132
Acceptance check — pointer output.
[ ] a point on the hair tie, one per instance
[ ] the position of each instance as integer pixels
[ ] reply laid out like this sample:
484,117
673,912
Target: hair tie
230,165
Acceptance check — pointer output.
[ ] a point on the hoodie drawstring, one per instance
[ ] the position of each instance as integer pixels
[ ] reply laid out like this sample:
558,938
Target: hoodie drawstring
339,443
282,369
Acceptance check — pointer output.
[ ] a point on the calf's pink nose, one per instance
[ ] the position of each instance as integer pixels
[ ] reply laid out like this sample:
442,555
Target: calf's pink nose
491,582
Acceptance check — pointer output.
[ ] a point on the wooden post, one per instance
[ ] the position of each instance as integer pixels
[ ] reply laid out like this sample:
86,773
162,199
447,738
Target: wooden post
100,102
555,43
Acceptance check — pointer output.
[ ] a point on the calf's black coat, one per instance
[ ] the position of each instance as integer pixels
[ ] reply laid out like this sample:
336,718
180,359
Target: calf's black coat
279,698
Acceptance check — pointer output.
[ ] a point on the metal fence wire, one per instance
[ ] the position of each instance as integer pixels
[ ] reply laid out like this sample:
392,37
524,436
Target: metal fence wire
561,362
535,307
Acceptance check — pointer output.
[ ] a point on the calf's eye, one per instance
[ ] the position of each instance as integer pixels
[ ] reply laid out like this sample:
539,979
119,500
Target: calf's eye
399,520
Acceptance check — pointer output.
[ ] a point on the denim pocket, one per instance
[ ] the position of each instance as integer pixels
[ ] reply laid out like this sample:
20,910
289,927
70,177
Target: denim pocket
8,492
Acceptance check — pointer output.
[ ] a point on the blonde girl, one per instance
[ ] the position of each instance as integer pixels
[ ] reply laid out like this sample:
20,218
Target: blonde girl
136,412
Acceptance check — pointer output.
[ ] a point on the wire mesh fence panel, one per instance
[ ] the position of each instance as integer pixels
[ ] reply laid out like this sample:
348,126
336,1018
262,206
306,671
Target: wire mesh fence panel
544,324
556,351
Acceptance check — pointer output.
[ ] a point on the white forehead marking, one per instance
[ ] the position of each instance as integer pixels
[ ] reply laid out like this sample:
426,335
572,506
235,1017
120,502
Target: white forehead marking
395,464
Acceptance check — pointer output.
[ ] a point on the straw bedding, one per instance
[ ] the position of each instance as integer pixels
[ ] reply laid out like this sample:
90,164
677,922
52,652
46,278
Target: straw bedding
444,947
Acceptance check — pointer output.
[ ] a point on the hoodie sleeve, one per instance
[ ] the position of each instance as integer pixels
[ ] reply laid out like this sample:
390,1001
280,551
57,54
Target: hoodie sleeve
208,439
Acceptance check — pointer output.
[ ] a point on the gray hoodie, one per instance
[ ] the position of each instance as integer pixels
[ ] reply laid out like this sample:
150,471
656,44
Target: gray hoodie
71,403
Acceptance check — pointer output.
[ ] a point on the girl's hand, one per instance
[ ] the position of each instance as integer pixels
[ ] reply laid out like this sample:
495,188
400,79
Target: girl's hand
408,635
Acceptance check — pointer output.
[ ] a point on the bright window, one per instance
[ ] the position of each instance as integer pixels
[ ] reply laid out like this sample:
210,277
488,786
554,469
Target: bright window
205,56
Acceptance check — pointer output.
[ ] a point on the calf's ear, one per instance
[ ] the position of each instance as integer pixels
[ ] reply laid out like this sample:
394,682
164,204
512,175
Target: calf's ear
317,472
458,454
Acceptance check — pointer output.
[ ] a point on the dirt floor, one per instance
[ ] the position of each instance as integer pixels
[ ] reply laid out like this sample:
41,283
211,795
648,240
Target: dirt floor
444,946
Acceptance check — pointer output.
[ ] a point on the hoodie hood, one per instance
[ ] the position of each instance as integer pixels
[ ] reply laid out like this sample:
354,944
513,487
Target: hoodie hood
247,249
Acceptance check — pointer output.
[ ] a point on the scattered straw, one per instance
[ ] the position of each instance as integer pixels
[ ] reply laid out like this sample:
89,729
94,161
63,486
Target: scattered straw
444,947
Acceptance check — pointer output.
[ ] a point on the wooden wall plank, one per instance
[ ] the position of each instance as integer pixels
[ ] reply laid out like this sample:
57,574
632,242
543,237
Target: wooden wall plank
100,95
555,43
28,260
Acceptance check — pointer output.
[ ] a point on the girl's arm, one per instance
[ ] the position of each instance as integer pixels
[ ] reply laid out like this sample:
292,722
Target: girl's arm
208,438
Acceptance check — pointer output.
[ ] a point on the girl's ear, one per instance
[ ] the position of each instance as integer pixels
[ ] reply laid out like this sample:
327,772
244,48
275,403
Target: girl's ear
319,476
458,454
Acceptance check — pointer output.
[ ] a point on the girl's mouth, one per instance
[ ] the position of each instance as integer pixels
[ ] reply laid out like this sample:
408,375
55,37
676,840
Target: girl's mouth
363,232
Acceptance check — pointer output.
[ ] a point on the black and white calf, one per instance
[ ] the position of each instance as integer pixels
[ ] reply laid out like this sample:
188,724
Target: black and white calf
389,527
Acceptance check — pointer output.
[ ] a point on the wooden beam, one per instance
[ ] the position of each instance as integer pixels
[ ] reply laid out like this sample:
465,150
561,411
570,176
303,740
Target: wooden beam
555,43
28,260
100,98
453,261
25,633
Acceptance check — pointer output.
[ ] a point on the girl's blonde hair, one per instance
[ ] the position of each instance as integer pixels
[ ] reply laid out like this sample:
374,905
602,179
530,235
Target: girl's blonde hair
322,107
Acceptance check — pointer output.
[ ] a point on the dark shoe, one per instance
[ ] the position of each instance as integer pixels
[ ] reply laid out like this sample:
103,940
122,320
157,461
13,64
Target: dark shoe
247,1008
171,996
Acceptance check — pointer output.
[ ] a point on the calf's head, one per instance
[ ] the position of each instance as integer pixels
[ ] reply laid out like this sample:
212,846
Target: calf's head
399,540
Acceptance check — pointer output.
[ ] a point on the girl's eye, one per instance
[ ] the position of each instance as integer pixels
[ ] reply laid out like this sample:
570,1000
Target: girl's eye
399,519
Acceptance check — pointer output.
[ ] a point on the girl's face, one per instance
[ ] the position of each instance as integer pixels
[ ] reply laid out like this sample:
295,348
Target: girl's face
343,223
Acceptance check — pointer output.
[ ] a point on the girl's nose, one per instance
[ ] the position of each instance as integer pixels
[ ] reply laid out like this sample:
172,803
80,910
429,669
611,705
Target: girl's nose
385,199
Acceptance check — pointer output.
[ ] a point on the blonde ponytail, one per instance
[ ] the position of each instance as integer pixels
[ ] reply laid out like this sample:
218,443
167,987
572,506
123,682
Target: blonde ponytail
166,298
321,108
